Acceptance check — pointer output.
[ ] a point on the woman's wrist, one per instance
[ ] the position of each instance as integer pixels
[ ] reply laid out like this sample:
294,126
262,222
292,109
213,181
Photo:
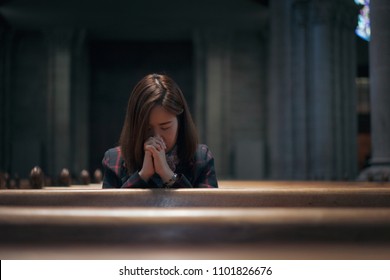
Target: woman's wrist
144,176
167,175
171,181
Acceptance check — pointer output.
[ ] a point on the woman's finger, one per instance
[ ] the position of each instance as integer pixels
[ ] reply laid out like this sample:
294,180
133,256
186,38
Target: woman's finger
161,141
157,142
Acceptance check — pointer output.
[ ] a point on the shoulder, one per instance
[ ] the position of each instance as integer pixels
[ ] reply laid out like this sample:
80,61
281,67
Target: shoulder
113,152
203,153
203,165
113,158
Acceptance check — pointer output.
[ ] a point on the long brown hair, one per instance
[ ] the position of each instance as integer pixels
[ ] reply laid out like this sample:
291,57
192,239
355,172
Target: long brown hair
152,90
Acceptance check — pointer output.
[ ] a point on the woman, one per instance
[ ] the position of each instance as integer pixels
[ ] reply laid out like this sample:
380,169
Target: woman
159,143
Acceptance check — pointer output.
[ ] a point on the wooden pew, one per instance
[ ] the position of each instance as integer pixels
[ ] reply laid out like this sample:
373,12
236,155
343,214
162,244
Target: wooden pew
308,220
246,184
255,197
245,231
233,184
204,225
236,251
75,187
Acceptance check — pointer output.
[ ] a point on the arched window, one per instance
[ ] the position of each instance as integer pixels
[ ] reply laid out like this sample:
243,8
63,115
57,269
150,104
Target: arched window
363,29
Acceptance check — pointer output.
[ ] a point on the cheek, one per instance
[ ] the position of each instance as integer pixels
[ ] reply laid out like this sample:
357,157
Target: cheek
170,138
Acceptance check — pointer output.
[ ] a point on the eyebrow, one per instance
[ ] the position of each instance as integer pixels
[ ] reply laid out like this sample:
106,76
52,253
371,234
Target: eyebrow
165,123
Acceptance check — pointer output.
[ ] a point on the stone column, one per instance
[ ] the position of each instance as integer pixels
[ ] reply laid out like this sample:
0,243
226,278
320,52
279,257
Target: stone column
230,88
300,89
6,50
333,115
279,102
324,111
347,64
312,122
59,101
248,110
379,53
80,104
212,95
200,117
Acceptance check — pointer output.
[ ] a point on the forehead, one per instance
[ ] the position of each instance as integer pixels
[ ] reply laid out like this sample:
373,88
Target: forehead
159,115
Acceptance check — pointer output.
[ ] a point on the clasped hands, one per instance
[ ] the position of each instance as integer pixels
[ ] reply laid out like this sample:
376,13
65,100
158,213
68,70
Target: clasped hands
155,160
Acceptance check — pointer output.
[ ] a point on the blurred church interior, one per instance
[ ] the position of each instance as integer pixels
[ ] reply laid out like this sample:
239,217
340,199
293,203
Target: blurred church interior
279,90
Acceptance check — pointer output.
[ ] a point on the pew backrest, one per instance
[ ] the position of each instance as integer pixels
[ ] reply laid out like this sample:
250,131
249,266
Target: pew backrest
264,197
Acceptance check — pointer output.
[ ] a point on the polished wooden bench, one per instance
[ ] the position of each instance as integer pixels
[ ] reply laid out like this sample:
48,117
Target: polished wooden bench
245,184
241,220
194,233
229,184
252,197
58,225
232,251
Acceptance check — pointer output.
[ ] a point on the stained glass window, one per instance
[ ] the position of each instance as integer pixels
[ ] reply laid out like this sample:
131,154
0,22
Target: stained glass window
363,28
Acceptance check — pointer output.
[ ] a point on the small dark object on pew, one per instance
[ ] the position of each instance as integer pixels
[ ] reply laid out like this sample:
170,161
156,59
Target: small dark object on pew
17,181
378,176
36,178
7,180
2,181
98,176
85,178
65,178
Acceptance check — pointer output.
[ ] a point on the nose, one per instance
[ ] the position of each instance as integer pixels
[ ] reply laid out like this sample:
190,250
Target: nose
154,133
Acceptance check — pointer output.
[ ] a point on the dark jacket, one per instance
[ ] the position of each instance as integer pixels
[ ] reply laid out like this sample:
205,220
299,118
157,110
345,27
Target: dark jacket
199,173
